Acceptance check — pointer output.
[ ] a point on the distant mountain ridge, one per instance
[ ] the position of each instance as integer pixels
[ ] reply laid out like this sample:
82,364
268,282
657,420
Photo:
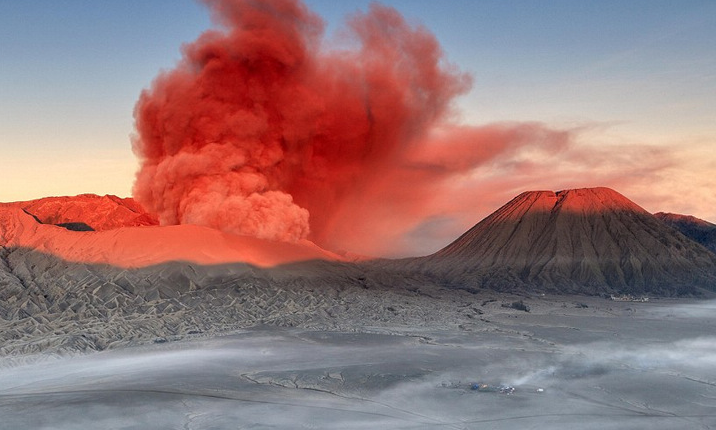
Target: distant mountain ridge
98,212
65,290
590,240
694,228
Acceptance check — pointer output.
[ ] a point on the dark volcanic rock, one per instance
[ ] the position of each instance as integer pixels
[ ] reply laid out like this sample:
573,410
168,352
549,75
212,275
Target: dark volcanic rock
694,228
75,226
590,241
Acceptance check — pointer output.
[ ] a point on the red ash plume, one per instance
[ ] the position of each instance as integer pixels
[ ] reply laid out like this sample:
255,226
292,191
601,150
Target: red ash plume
260,125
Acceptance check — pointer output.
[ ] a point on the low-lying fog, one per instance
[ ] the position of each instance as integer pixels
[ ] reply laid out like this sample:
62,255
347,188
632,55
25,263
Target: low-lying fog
608,366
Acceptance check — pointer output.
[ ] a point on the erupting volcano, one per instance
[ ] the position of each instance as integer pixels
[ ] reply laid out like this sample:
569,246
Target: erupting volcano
266,129
276,265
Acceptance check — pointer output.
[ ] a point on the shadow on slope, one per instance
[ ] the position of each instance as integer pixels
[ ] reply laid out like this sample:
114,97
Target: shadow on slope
694,228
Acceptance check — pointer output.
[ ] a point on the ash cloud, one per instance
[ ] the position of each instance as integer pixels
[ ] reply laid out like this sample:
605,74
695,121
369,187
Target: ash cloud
262,131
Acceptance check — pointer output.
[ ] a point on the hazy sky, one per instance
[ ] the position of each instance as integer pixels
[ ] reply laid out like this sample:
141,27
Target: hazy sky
625,76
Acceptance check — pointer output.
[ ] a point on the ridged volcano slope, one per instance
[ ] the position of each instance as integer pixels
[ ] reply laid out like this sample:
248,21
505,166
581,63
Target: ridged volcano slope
694,228
587,240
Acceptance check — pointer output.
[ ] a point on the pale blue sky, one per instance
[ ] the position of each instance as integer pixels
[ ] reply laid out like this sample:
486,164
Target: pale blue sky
638,71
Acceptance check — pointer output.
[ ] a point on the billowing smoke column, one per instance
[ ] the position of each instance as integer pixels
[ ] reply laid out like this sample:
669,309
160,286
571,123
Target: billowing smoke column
257,127
260,125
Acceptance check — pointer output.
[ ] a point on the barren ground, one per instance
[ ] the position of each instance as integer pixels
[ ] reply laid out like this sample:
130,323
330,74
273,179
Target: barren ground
608,365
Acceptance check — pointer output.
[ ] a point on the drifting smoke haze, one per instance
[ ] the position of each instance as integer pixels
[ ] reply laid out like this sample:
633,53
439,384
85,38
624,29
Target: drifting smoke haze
262,131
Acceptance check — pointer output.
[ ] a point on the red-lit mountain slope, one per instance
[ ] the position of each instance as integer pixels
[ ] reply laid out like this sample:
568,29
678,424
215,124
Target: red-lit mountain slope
149,245
98,212
588,240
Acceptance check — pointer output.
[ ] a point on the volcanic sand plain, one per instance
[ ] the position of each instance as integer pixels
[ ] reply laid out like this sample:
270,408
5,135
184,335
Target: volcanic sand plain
575,362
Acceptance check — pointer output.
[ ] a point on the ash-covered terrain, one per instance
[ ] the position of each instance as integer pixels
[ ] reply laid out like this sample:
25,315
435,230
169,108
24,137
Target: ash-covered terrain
188,327
66,290
570,362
